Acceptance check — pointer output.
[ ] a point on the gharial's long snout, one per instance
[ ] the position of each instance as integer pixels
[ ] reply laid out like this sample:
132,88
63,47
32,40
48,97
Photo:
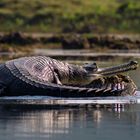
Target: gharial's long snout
109,71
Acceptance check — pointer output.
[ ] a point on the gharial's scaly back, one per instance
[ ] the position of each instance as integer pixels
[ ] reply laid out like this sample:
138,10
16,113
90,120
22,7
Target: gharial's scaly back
37,69
42,69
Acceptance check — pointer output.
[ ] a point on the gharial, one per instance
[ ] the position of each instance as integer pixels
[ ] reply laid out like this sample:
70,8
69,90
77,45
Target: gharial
41,75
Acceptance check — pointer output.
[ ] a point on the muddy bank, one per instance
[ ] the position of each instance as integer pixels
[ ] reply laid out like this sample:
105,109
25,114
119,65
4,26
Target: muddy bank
71,41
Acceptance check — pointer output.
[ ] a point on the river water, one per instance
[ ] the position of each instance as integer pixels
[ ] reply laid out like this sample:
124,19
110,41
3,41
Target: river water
102,123
71,124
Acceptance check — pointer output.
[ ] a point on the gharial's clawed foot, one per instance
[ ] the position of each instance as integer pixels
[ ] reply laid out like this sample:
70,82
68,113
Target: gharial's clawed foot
117,82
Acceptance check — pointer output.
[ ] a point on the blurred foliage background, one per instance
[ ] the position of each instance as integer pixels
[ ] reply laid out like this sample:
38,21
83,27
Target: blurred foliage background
63,16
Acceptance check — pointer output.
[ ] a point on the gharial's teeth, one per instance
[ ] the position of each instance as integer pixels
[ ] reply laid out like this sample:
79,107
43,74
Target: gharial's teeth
122,85
118,86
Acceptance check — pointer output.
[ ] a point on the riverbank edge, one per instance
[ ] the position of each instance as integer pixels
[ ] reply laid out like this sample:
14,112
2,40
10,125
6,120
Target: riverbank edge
24,42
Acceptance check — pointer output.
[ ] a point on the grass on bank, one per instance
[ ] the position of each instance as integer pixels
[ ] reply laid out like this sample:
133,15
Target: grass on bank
62,16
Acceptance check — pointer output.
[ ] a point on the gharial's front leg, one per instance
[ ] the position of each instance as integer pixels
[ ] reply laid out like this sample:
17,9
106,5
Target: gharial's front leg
117,82
56,79
128,85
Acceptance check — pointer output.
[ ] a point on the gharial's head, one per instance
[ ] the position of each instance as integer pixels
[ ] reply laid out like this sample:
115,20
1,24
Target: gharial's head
90,67
90,71
94,71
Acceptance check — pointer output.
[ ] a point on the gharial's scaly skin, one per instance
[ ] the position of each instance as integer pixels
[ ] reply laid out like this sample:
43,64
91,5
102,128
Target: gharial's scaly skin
41,75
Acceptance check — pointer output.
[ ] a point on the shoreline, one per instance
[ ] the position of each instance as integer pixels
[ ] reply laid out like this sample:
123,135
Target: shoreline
77,55
26,42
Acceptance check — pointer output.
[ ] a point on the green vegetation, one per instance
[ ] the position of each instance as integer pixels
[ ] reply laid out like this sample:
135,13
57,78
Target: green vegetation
82,16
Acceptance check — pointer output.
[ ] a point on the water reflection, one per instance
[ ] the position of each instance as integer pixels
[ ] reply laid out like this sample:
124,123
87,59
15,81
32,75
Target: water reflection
68,123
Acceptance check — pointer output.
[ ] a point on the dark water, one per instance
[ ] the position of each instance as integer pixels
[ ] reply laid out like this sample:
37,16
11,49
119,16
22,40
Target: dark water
110,123
71,124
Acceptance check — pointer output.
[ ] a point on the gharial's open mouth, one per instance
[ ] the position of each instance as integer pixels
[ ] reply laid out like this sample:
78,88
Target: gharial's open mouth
108,71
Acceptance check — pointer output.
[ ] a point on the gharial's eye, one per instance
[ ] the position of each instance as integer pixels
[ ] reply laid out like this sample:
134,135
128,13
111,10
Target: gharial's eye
94,64
90,67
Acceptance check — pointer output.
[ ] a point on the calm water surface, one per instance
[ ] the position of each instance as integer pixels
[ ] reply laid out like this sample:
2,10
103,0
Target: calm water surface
70,124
